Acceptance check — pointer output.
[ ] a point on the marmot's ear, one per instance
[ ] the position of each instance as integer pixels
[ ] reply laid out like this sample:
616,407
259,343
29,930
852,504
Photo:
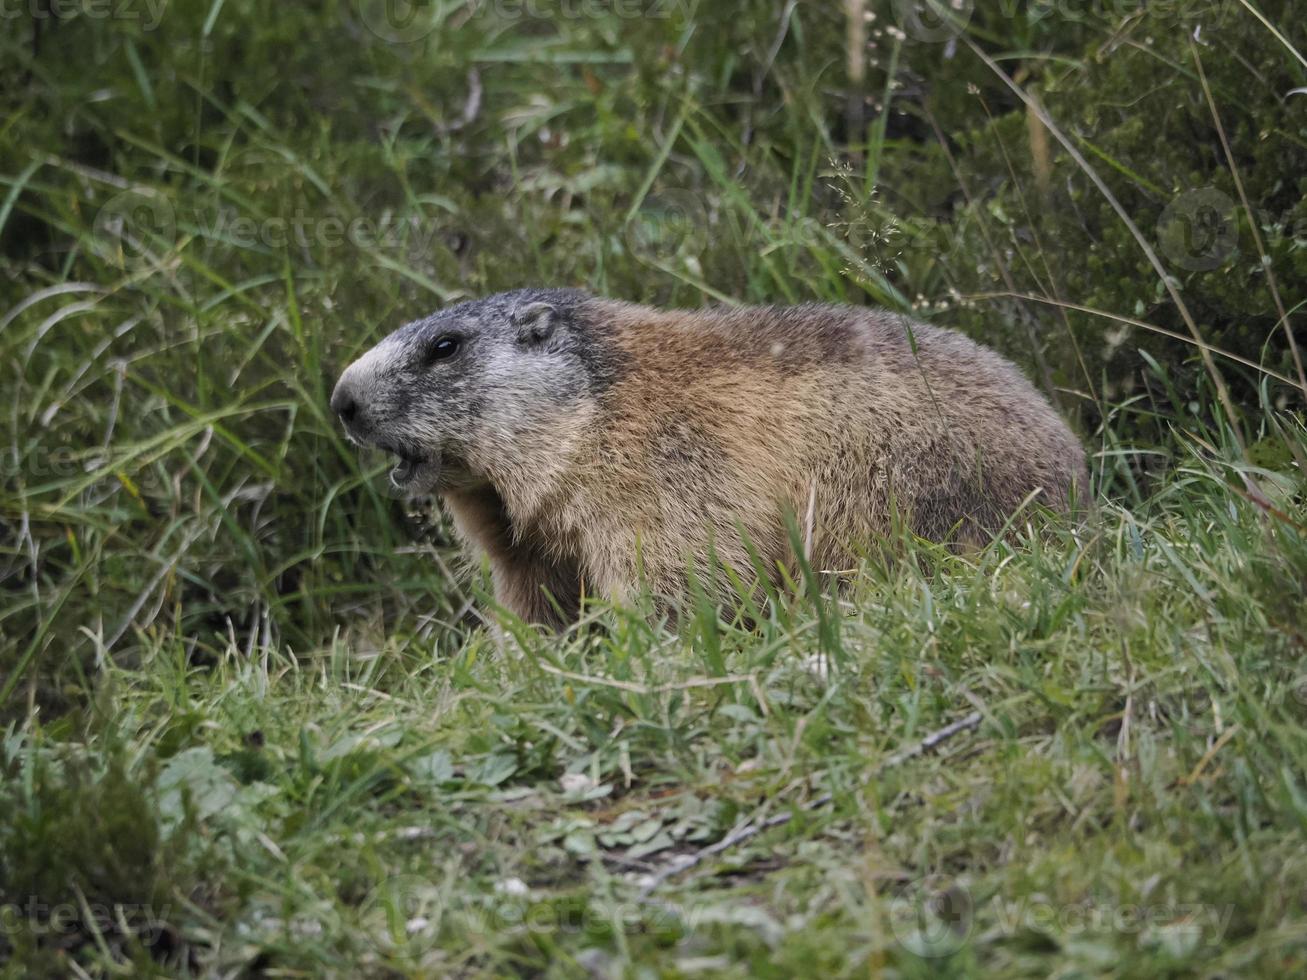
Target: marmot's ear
535,323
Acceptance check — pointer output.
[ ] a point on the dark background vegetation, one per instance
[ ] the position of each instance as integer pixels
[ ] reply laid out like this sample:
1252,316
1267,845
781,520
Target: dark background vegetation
203,218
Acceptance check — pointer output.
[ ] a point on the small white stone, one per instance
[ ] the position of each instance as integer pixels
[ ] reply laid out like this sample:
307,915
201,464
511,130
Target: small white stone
515,887
576,782
817,664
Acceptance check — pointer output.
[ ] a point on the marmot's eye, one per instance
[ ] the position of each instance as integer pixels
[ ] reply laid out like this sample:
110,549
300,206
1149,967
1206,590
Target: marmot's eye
446,346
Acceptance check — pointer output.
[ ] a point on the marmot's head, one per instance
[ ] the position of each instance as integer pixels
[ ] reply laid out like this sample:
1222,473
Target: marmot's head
478,386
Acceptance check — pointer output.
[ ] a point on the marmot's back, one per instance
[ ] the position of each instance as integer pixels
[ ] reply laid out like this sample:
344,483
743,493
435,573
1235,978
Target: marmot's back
730,418
858,376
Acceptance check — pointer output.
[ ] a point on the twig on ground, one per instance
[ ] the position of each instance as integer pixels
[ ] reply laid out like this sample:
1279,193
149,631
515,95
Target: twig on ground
933,739
1219,744
684,862
637,688
471,108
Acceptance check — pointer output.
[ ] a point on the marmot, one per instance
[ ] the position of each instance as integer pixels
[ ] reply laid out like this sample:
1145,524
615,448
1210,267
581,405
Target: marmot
589,446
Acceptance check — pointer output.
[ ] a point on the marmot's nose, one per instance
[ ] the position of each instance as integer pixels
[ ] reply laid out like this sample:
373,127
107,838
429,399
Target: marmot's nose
344,404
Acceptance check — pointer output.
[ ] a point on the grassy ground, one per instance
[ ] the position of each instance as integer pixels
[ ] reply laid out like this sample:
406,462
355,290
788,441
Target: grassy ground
250,724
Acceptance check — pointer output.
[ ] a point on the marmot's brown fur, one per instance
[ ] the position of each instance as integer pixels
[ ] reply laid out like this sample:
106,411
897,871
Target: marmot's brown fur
590,446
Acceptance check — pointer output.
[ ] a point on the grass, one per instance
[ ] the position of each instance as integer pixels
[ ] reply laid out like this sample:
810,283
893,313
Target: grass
1131,802
251,725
